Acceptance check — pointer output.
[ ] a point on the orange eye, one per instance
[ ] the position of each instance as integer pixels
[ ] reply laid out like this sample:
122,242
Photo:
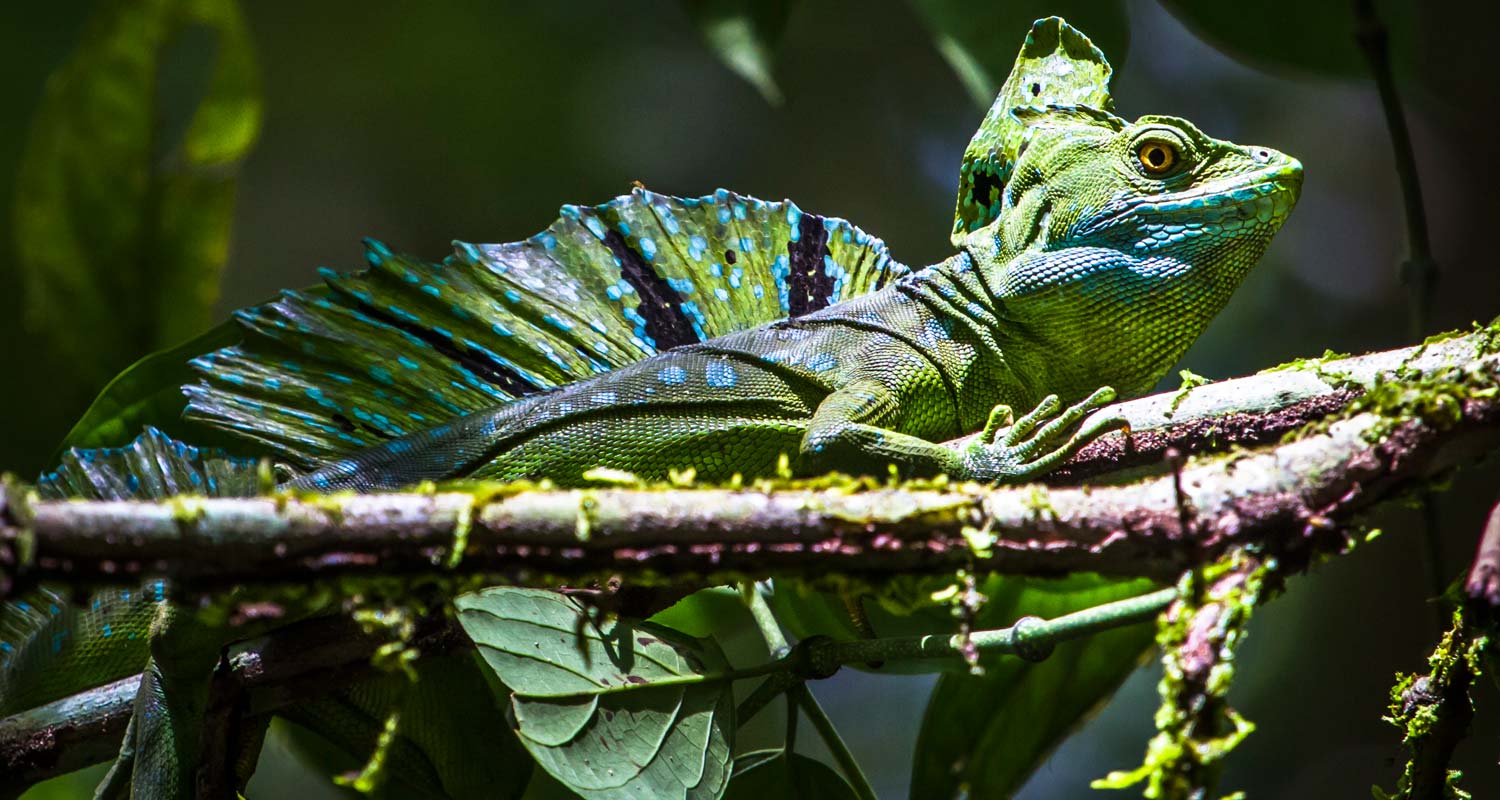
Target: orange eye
1157,157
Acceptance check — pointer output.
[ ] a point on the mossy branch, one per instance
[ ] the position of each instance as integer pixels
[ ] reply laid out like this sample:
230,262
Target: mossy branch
1421,410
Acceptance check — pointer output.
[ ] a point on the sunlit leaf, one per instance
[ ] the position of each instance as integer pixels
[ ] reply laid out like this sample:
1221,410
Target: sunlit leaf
982,736
121,232
627,710
792,776
980,40
744,35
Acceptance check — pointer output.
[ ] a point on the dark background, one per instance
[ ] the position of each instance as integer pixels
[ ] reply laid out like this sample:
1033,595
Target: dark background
420,123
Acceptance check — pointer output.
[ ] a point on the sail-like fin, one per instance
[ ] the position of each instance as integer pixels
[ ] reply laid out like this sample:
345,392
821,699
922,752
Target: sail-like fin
51,647
407,344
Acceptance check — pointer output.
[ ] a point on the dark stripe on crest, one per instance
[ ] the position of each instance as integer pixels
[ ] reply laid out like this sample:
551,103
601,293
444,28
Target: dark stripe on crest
660,304
809,286
496,374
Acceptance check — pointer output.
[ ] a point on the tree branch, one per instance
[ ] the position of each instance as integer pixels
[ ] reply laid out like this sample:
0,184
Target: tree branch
1432,407
296,662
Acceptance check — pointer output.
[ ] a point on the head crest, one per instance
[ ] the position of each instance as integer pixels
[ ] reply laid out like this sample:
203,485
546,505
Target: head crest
1058,71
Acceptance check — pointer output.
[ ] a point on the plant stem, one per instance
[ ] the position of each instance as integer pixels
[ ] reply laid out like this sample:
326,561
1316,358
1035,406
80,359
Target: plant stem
770,629
1031,638
831,738
1420,270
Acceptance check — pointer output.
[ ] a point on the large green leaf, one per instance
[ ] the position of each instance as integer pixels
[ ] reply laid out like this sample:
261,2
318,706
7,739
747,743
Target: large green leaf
744,35
788,776
453,740
980,40
1307,37
982,736
148,392
121,234
626,710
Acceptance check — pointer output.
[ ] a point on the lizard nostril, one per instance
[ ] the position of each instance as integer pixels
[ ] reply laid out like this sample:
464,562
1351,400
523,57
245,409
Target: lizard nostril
1261,155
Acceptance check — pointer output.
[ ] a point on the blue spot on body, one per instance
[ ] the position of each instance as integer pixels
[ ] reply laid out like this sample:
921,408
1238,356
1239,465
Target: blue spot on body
673,376
648,248
720,375
822,362
408,363
512,295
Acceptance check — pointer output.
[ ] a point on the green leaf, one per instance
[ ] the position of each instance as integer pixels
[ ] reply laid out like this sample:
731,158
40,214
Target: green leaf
148,392
627,710
982,736
453,739
788,775
980,40
122,235
1307,37
744,35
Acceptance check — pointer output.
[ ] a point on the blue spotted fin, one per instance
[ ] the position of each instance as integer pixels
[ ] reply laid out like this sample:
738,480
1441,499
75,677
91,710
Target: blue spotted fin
408,344
50,647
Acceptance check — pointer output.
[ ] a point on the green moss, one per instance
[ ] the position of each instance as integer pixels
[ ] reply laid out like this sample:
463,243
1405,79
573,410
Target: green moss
1183,757
1190,381
1414,706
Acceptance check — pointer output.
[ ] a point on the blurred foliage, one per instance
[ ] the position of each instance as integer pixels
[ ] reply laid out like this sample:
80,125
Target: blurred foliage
744,35
123,228
1316,38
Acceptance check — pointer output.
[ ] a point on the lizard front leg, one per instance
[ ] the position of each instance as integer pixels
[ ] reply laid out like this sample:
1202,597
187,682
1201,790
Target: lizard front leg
847,433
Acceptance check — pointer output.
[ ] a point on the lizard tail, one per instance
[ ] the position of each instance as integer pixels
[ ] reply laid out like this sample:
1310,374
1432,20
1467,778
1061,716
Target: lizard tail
51,647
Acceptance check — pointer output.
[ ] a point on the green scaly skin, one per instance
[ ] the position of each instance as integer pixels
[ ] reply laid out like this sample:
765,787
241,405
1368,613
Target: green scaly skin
1080,268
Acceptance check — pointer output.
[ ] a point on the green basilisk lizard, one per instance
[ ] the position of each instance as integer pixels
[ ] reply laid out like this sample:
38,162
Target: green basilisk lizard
718,334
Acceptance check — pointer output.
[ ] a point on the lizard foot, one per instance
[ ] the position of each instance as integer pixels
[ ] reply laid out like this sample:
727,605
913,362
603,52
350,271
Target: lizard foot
1017,450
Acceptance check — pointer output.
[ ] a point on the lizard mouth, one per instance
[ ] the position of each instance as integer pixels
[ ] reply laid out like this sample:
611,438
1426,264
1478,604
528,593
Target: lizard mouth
1244,202
1271,190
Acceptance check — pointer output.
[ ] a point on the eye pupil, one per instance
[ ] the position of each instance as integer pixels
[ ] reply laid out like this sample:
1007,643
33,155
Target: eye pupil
1157,158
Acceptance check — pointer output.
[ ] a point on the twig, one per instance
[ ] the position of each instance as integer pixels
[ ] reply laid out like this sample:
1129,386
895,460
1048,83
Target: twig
1435,710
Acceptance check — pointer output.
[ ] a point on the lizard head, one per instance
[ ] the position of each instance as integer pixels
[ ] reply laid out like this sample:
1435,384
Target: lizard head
1155,188
1131,233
